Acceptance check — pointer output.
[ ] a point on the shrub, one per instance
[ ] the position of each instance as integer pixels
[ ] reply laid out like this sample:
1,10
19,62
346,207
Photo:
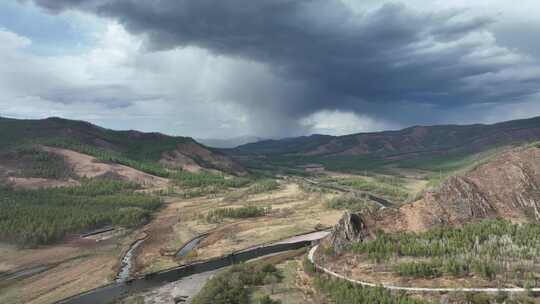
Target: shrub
456,268
344,292
262,186
419,269
34,162
478,298
486,269
223,289
485,248
234,285
217,215
387,187
267,300
191,180
309,268
347,201
234,196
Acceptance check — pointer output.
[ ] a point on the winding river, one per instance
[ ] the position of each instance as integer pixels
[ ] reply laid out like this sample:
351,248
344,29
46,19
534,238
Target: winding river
190,245
120,289
127,262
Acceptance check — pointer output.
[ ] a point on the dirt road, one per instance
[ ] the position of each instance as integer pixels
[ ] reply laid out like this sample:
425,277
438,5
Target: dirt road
311,256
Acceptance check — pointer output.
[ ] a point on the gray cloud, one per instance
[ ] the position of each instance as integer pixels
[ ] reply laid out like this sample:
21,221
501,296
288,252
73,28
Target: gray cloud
324,56
521,36
59,5
111,96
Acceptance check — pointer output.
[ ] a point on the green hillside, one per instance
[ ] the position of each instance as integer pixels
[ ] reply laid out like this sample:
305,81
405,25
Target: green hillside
132,144
432,148
135,149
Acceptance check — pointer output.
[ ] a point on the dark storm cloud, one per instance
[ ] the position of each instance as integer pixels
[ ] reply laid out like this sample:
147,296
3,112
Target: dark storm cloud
59,5
337,58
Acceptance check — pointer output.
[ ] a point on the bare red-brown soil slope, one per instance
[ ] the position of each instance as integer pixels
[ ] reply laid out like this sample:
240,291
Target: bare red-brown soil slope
83,147
80,166
193,157
89,167
508,187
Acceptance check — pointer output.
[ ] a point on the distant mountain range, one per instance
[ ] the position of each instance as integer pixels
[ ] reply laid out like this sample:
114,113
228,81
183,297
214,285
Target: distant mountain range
407,143
230,142
362,151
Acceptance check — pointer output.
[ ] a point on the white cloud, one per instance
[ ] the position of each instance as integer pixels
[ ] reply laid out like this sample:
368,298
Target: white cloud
12,41
342,123
117,84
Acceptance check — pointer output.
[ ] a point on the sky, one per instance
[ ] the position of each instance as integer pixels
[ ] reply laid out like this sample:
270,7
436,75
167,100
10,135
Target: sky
270,68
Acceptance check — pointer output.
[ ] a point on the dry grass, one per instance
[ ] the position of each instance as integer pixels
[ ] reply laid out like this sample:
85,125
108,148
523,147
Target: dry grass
87,166
39,183
87,264
293,212
77,267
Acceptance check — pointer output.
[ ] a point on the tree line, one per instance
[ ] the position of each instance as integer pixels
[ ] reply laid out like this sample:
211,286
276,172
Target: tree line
105,155
492,249
33,162
216,215
343,292
36,217
203,179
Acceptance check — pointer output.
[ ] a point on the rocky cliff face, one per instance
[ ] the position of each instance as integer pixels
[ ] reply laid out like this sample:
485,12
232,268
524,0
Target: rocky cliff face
508,186
350,228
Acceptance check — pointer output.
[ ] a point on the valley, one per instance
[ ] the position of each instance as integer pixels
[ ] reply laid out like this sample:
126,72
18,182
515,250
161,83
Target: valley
111,206
269,152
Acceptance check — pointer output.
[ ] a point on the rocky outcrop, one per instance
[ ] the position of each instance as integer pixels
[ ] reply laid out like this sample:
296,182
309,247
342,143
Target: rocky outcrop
461,200
350,228
507,186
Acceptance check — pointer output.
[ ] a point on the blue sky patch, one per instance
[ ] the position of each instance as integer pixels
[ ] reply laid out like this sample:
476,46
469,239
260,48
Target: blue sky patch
65,33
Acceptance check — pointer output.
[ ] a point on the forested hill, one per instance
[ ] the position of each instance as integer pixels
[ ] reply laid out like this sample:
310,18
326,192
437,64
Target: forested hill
407,143
54,130
149,152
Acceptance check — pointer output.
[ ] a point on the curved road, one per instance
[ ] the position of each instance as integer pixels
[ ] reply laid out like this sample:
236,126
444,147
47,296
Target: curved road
377,200
416,289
